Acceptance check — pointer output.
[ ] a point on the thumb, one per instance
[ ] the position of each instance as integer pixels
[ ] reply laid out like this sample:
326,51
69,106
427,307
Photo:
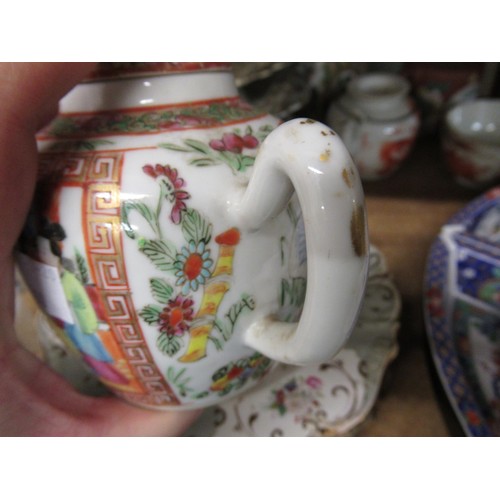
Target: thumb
29,93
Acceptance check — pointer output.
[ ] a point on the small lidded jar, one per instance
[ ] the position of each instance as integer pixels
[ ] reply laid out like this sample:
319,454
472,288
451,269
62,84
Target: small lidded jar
378,122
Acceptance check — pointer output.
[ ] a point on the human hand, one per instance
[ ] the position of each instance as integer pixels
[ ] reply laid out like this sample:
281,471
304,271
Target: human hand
34,401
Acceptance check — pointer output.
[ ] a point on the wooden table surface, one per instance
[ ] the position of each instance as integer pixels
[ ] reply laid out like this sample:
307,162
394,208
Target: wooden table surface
405,214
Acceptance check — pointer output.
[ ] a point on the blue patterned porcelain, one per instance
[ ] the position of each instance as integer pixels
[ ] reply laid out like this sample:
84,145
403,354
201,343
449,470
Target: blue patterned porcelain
462,312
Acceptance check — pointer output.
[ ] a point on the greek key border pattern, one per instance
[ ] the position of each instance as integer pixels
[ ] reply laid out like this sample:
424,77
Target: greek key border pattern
98,174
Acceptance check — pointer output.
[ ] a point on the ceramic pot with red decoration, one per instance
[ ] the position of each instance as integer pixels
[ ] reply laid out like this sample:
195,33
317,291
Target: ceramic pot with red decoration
378,123
182,242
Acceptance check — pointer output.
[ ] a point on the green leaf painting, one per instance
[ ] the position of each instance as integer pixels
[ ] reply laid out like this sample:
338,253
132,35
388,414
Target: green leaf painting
232,148
150,314
161,253
195,227
160,290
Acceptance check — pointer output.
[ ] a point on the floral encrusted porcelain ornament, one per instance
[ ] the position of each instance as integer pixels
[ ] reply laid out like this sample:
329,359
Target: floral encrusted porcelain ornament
182,241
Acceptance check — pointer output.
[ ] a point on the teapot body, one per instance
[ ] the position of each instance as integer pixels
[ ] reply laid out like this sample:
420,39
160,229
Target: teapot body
153,279
378,123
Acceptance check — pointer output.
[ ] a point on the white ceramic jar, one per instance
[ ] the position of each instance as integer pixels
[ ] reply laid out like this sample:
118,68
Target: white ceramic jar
167,242
471,142
377,121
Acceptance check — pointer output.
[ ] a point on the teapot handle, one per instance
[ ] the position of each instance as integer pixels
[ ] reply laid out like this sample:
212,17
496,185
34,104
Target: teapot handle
308,157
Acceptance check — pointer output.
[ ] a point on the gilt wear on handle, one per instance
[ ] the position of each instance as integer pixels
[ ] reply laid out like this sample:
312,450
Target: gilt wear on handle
308,157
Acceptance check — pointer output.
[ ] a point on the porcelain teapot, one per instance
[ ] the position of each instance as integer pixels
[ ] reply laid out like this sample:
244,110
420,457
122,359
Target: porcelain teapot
183,242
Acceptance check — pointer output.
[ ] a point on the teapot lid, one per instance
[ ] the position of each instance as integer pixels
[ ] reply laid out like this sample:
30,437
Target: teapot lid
115,70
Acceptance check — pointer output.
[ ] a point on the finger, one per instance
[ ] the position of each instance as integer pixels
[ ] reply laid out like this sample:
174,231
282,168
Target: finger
38,402
29,93
49,406
133,421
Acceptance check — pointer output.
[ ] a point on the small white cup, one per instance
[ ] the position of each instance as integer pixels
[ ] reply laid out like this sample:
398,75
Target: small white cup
471,142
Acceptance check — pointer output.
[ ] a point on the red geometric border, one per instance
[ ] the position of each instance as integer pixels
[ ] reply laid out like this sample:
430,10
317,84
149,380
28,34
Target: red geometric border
99,175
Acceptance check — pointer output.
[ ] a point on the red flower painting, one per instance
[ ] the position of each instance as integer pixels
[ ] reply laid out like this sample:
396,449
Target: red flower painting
234,143
177,195
176,316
